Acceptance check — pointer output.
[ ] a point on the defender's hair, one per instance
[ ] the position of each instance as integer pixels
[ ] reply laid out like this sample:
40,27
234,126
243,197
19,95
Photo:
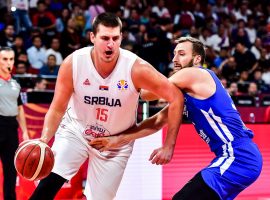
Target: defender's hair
6,49
106,19
197,46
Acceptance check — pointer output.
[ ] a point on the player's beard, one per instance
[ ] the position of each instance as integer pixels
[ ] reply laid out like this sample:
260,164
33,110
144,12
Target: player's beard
190,64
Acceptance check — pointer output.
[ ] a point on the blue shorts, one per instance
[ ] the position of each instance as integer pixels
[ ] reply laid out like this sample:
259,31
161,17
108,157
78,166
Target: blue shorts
229,175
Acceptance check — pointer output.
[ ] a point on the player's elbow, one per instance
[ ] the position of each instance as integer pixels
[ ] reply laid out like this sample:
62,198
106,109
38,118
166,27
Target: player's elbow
147,96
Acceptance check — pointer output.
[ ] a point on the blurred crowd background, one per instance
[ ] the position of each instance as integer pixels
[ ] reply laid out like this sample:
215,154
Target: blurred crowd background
236,34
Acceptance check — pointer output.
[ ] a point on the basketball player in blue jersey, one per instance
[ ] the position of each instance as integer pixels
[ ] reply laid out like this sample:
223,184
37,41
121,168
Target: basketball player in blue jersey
238,161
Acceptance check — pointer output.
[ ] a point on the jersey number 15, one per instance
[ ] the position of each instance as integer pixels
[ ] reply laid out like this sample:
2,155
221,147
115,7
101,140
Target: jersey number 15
102,114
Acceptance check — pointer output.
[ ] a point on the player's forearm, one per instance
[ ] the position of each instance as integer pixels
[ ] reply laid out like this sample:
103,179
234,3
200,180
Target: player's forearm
175,111
146,127
21,119
51,123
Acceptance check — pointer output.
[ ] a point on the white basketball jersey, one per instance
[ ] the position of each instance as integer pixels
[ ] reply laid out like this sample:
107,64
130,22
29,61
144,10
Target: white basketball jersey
102,106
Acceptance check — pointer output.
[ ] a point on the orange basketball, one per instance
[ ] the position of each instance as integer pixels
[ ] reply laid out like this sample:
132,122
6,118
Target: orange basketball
34,160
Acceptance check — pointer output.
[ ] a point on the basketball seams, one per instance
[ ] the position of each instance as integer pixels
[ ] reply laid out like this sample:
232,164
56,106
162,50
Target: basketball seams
22,148
42,147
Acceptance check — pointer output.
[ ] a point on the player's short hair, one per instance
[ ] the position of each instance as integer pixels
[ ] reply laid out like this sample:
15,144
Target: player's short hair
197,46
107,19
6,49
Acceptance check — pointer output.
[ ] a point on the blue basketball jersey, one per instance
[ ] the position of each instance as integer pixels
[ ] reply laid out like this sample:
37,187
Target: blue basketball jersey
238,161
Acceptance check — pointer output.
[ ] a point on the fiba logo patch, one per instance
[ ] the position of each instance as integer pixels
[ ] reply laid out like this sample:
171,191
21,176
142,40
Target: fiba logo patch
122,85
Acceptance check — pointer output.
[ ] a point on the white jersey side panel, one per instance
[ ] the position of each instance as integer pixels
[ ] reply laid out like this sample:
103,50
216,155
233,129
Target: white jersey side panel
98,106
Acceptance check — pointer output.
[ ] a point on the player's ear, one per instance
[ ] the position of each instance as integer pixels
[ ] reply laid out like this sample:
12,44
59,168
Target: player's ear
197,59
92,37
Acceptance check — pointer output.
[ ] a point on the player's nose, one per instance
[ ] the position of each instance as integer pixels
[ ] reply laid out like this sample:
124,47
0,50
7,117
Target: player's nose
110,43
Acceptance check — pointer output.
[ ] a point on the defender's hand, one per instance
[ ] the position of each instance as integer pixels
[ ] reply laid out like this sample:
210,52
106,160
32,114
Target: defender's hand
161,156
106,143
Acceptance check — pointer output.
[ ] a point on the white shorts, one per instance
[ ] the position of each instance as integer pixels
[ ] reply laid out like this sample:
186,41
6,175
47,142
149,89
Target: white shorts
105,170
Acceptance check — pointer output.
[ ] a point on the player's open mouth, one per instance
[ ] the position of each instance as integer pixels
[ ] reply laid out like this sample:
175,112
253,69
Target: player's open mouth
108,53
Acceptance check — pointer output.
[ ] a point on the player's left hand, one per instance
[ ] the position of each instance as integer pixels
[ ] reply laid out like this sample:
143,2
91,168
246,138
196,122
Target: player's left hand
106,143
161,156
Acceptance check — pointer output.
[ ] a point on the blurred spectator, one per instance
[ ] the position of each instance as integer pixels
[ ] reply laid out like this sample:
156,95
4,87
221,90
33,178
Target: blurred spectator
40,85
211,24
18,46
54,50
220,39
233,89
245,60
243,82
251,29
7,37
21,68
266,75
126,9
241,37
253,89
23,57
145,16
164,45
78,15
220,7
71,38
28,40
150,49
128,40
61,21
95,8
86,39
243,12
257,78
45,21
36,54
264,60
222,55
21,16
224,82
210,56
211,16
205,35
141,36
50,68
161,10
185,19
256,48
22,71
199,16
133,21
239,34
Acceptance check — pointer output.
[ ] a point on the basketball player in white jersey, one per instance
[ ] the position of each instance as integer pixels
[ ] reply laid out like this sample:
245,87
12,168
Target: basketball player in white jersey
96,95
